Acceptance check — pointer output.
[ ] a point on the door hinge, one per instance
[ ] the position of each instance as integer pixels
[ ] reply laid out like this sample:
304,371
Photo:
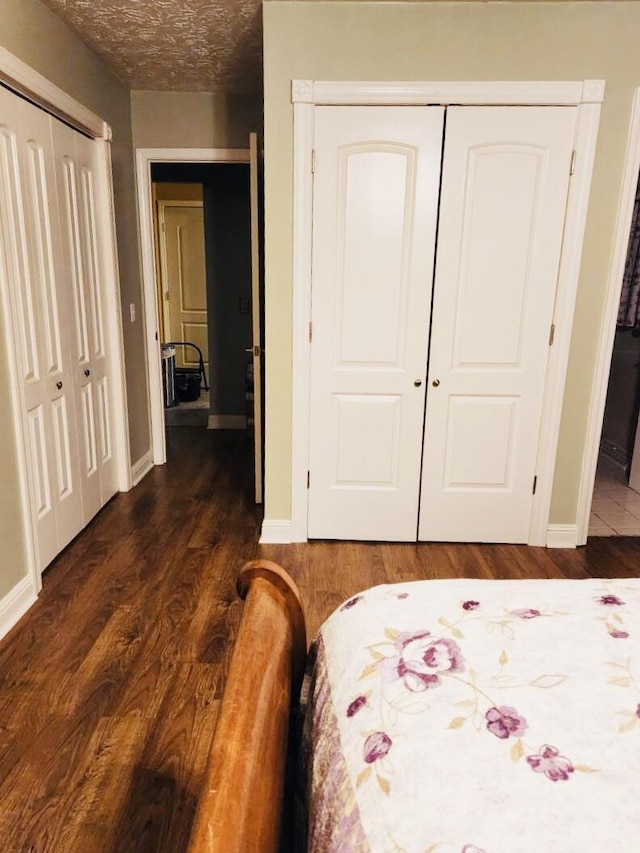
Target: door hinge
552,334
163,226
156,336
313,161
572,167
535,483
308,478
310,331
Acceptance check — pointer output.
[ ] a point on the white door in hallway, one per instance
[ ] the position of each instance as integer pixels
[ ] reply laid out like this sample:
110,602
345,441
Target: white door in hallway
33,263
377,172
184,279
505,181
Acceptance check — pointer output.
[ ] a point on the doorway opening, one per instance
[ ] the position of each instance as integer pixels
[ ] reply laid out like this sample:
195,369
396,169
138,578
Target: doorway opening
200,247
181,292
615,509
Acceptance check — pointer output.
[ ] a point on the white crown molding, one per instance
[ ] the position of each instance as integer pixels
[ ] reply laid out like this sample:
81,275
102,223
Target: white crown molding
26,81
276,532
520,92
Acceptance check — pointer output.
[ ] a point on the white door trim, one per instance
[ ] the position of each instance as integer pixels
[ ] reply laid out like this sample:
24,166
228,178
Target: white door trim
609,318
20,77
114,332
145,157
23,79
587,95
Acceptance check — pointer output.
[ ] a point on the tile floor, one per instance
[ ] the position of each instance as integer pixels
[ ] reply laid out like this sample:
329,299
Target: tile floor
615,510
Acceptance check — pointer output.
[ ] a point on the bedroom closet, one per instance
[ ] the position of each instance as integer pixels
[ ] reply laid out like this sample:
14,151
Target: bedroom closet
52,260
437,237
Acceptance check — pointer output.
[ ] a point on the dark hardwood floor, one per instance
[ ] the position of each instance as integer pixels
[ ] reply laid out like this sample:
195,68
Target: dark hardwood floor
110,685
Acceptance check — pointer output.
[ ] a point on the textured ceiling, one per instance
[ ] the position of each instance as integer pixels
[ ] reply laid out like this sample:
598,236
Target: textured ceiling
173,45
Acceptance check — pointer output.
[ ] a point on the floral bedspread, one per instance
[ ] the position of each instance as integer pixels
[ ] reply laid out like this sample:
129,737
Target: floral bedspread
467,716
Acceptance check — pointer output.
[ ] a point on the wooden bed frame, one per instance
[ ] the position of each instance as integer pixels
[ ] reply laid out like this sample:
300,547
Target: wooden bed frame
240,807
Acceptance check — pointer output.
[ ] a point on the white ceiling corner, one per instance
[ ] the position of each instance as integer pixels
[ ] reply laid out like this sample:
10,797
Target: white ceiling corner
173,45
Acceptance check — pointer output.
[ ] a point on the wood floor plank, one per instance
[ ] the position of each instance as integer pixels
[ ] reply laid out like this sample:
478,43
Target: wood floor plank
110,685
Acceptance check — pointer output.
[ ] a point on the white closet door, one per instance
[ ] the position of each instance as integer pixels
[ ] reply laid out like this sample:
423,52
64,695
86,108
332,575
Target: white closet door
72,227
377,172
32,256
78,210
92,208
504,190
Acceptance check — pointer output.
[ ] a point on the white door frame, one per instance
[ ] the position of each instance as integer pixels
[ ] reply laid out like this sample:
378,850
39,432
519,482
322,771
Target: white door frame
145,158
587,95
24,80
609,319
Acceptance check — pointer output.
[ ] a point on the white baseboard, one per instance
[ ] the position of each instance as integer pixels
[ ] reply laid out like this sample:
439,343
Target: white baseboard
15,604
276,532
141,468
562,536
227,422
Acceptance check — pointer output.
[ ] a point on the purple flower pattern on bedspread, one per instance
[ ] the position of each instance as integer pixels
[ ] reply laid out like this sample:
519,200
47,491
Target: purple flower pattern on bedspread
356,705
503,722
618,635
376,746
351,603
610,600
526,612
429,684
551,763
421,660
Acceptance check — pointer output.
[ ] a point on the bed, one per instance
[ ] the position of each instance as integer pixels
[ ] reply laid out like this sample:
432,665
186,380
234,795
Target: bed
443,716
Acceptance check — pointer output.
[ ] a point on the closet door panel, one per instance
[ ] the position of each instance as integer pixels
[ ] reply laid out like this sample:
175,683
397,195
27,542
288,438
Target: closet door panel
376,182
32,257
91,207
53,337
504,191
73,229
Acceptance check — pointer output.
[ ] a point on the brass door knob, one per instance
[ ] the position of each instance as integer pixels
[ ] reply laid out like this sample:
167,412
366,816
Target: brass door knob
435,383
418,383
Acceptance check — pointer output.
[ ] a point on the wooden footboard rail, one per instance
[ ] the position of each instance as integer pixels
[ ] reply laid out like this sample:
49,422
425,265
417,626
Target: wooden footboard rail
240,807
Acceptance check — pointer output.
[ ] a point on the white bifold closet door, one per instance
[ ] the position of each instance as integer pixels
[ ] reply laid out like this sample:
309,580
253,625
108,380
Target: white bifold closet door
388,461
505,178
79,208
50,262
376,180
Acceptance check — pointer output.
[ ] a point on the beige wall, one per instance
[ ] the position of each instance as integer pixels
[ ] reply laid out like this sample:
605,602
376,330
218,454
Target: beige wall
34,34
445,41
194,119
